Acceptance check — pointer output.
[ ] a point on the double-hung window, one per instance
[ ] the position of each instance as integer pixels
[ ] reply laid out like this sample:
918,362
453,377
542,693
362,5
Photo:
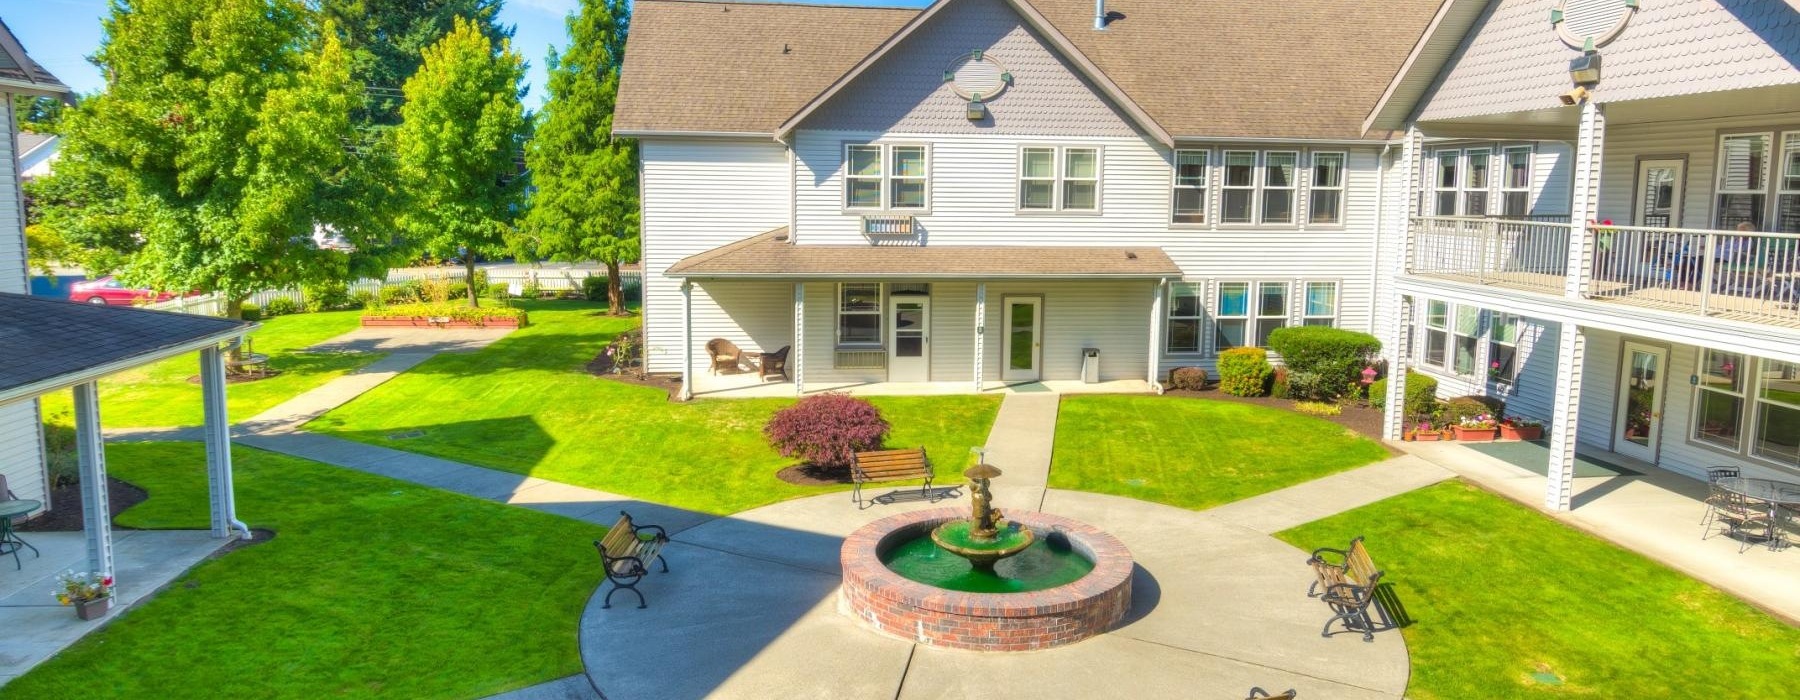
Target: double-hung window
1278,186
1475,182
1777,437
1787,184
1271,310
1326,196
1515,183
859,314
1059,178
1467,332
1719,413
1191,179
1185,312
1743,181
1447,182
1503,348
1437,332
1239,188
1321,304
883,177
1233,316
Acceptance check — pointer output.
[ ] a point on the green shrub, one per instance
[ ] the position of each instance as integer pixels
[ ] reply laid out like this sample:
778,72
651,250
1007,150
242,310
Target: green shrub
1335,355
531,290
1312,386
330,296
593,288
497,290
403,293
1278,382
1421,395
454,312
1244,371
1187,379
362,298
250,312
1455,410
280,306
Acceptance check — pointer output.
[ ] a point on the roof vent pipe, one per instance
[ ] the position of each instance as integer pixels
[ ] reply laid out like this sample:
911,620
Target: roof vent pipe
1099,15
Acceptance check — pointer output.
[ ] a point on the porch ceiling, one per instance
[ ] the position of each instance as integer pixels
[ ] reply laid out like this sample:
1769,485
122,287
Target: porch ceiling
771,255
1559,123
50,344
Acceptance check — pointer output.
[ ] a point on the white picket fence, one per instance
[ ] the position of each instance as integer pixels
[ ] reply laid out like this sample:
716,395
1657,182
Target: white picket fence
515,280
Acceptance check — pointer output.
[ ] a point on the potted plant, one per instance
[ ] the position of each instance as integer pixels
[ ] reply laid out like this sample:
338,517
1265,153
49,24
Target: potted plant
91,594
1425,433
1520,428
1477,428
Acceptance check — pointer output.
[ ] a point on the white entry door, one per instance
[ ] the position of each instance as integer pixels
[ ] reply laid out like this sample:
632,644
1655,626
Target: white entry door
1659,193
909,338
1639,422
1023,349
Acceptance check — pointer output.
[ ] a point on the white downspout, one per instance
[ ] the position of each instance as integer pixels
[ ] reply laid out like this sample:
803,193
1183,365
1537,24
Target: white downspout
1380,231
1100,15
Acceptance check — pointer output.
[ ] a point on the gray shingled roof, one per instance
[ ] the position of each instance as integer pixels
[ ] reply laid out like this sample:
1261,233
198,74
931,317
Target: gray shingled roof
16,65
771,255
44,341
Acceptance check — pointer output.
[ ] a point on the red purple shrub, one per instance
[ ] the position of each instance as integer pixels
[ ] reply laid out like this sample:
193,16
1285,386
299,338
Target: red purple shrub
827,430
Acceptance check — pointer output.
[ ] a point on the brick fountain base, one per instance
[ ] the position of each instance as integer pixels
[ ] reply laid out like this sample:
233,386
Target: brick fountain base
984,621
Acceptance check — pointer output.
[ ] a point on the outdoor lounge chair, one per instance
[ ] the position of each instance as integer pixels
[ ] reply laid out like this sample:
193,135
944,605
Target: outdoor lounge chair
724,354
773,364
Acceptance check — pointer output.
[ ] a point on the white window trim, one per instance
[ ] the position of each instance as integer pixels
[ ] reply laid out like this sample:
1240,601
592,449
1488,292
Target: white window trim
1255,207
1205,187
1496,319
1438,188
1258,318
879,313
1199,319
1422,351
887,179
1063,178
1719,189
1313,186
1059,164
1263,187
1467,173
1742,394
1778,179
1506,187
1218,316
1304,303
1756,414
1476,370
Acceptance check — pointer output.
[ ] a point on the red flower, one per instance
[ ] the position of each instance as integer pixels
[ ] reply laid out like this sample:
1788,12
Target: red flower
106,581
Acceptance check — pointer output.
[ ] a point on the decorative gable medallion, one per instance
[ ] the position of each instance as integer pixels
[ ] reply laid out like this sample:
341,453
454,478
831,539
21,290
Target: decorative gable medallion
1590,24
977,77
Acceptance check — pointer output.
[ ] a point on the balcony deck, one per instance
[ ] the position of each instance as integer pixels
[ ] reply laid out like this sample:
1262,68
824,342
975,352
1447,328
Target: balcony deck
1686,301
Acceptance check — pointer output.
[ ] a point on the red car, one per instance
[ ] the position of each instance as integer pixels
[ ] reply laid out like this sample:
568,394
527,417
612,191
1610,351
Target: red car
107,290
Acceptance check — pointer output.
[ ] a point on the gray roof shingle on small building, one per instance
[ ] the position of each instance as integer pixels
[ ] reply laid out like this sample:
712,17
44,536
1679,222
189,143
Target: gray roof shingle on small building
44,339
770,255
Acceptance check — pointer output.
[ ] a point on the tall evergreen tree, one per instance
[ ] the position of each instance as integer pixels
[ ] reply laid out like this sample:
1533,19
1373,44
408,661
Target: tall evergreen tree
386,38
585,204
222,127
457,147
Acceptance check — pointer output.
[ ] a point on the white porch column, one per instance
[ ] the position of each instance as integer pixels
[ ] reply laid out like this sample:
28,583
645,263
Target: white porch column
1393,424
1412,162
687,341
90,451
980,331
1590,142
1157,295
799,355
218,445
1571,346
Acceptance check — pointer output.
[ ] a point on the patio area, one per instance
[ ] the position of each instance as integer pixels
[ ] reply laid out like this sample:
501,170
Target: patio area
36,627
748,386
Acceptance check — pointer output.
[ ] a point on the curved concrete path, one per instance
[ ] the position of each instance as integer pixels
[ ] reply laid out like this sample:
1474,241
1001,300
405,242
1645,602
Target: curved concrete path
749,610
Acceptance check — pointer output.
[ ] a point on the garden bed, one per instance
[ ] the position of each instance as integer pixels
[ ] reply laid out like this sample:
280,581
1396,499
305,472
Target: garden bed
1365,420
444,316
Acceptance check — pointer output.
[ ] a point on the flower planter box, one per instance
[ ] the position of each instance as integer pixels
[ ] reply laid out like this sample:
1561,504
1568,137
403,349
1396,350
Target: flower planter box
93,609
1526,433
1427,436
1477,434
436,322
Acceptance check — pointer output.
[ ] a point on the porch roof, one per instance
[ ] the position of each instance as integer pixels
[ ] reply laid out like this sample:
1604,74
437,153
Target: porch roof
50,344
771,255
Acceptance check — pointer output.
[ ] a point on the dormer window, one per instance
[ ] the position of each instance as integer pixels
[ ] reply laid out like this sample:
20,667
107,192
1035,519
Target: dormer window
887,177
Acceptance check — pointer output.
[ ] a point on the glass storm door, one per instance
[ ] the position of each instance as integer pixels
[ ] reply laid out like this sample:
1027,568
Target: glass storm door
1640,401
909,340
1024,342
1659,193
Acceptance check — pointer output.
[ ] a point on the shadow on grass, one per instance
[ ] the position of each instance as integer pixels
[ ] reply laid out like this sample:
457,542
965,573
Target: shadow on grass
514,441
1393,610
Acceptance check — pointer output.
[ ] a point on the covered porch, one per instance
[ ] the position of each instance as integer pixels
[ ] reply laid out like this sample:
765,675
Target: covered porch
63,346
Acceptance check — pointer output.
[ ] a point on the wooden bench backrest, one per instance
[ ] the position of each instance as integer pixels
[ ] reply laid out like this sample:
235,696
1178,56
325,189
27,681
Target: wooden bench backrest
1361,567
892,464
620,541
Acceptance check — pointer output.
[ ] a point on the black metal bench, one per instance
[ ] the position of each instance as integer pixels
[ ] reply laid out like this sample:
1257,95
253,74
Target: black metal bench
890,465
1347,580
623,552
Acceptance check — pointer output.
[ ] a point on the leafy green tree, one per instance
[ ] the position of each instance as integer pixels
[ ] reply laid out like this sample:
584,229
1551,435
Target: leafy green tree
457,148
585,204
76,216
386,38
37,114
222,130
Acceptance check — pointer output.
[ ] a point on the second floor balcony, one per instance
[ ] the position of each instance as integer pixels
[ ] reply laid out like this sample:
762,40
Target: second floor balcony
1736,275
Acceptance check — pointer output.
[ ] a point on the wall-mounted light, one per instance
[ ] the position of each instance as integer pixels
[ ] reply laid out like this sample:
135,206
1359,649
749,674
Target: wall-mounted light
977,110
1585,70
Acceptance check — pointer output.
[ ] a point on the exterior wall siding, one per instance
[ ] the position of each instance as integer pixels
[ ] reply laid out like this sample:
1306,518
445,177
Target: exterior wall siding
1111,316
21,437
1695,141
755,316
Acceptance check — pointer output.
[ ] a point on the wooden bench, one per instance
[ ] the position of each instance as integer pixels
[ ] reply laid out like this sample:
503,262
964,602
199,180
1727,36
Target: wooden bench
890,465
1347,580
623,552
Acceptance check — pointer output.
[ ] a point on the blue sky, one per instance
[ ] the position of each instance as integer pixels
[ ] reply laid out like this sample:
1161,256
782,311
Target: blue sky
61,33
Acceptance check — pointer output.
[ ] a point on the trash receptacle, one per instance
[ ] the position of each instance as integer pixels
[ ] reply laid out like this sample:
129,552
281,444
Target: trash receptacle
1090,365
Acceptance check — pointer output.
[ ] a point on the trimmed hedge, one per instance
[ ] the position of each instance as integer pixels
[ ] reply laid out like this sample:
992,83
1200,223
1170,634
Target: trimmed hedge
1244,371
1187,378
1421,394
454,312
827,430
280,306
1333,359
1470,406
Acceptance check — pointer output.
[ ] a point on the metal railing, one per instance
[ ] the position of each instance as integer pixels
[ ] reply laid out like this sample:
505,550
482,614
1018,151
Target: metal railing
1515,253
1749,276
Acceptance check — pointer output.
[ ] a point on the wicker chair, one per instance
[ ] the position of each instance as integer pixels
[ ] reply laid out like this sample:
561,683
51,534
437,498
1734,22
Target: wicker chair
773,364
725,355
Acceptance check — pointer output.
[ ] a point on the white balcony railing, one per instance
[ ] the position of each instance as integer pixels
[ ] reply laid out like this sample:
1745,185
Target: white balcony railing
1516,253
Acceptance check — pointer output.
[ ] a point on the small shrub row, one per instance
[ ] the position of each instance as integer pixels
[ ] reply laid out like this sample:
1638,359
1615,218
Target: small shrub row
1244,371
454,312
1421,394
827,430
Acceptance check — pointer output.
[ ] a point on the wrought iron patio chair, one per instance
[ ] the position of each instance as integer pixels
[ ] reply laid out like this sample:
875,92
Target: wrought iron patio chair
1741,514
1715,495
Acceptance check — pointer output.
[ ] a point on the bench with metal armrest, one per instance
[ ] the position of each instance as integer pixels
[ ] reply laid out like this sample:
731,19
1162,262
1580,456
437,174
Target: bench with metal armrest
1346,579
624,551
890,465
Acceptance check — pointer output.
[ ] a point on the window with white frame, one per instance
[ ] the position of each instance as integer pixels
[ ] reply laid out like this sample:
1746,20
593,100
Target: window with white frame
1465,339
1239,189
1321,304
885,177
1232,318
1787,185
1191,179
1777,436
1719,399
1186,310
1059,178
1446,182
1743,181
1437,333
1325,198
1475,182
1278,186
859,314
1271,310
1503,348
1515,182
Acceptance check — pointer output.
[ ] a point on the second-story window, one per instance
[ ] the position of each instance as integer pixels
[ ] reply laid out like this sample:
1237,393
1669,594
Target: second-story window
1053,179
1446,182
1278,186
1191,178
1239,188
1037,179
1326,196
1515,187
886,177
1743,178
1475,183
1081,179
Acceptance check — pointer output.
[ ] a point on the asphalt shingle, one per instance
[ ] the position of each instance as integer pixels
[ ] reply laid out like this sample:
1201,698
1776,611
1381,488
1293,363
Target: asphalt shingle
41,338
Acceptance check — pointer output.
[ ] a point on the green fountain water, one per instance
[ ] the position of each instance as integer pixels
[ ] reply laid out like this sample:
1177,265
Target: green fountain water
986,553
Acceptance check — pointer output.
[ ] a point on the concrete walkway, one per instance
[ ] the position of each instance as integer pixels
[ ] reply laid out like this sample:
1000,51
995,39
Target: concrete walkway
1020,443
1326,496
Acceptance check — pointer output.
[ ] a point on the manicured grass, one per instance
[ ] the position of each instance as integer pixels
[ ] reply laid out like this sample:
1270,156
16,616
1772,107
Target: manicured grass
160,395
371,588
1195,453
525,404
1497,592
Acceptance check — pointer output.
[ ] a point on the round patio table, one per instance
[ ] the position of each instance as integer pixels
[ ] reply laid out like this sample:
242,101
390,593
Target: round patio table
10,543
1782,496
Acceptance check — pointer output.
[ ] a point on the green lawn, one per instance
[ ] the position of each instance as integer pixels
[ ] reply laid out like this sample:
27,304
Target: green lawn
371,588
526,405
1195,453
160,395
1498,592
